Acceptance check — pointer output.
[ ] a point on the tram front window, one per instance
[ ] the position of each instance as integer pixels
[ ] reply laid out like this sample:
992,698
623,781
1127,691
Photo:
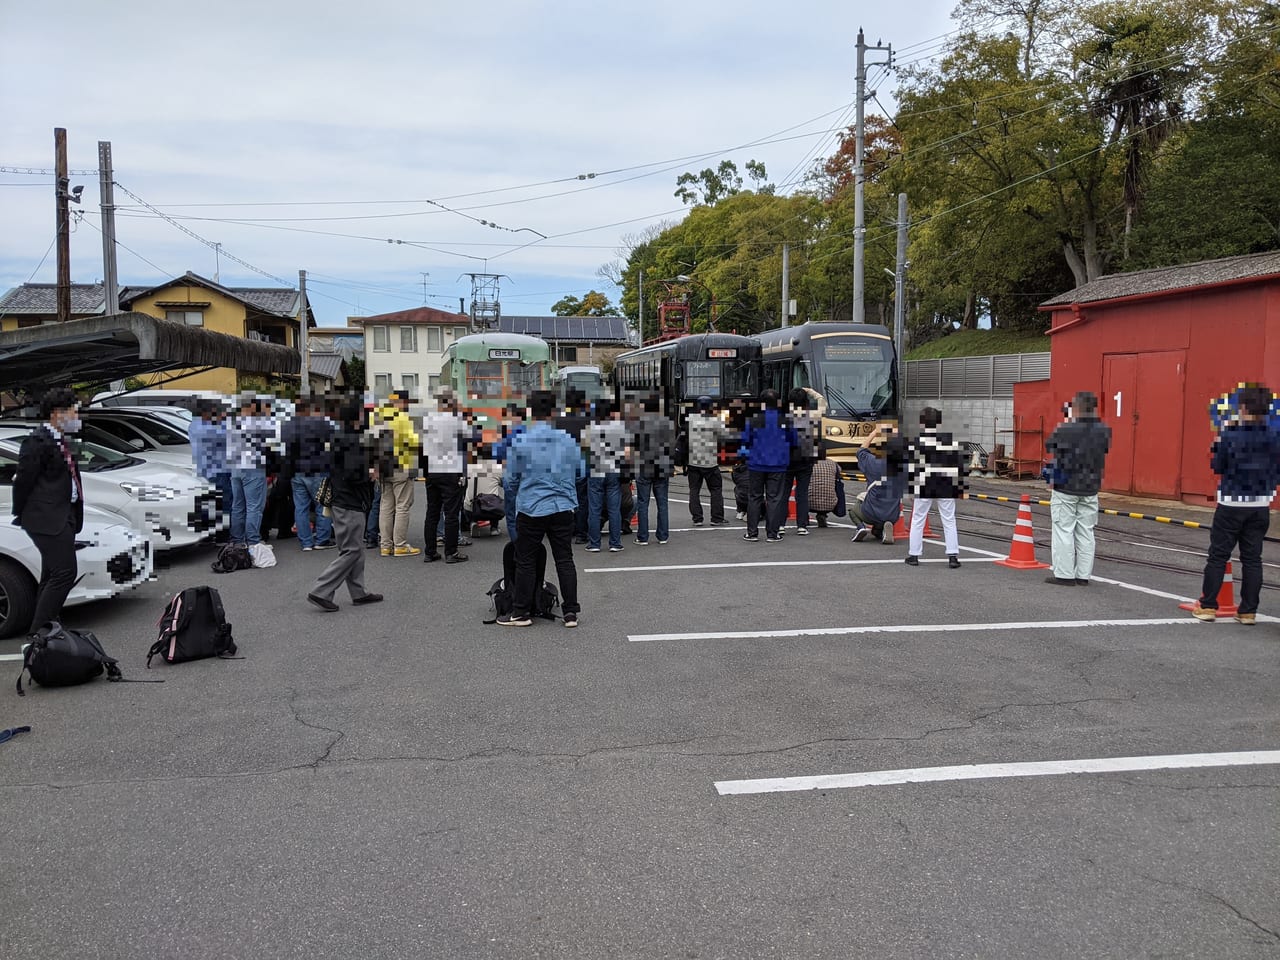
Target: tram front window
856,377
484,379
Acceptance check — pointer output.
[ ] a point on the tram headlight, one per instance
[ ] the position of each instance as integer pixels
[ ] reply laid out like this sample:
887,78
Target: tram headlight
835,431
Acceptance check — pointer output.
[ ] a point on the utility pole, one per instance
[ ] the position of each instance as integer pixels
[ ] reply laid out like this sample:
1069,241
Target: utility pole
217,262
61,191
859,173
305,389
424,286
899,297
640,326
786,281
106,191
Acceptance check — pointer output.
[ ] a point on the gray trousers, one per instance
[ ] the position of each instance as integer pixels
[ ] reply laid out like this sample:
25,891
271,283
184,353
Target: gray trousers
348,565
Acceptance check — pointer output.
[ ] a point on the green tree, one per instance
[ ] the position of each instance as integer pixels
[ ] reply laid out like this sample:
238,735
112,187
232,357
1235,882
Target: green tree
712,185
592,304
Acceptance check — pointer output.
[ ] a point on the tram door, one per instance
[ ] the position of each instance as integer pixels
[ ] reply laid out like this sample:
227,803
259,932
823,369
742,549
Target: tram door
1142,402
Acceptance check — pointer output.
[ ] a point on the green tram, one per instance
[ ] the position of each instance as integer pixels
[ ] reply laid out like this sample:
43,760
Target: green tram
852,365
489,371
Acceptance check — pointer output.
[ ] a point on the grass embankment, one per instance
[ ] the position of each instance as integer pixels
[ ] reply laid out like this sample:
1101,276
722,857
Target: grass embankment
981,343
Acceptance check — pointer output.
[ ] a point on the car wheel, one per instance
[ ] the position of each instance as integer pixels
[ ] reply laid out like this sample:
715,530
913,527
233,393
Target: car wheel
17,599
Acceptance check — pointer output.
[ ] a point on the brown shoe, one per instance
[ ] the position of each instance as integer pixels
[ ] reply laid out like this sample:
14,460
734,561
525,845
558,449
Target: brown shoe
1248,619
1207,614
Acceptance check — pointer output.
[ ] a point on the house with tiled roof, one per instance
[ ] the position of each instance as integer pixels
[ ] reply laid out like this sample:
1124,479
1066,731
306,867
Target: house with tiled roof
266,314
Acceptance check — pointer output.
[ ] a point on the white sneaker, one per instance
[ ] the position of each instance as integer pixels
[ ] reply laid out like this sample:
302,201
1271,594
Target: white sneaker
742,516
860,534
802,531
886,534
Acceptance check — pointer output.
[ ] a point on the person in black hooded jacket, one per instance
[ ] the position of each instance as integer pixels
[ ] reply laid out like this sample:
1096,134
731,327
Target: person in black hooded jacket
351,479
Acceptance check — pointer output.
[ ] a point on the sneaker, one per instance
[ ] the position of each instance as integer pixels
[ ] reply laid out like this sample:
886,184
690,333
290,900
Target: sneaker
886,533
860,534
1081,583
822,522
464,542
742,515
617,549
1061,581
580,540
662,541
515,620
953,561
643,543
1207,614
913,561
698,522
307,549
802,531
368,598
385,551
1248,619
439,541
371,544
570,619
327,545
751,537
430,557
721,522
777,539
407,552
456,558
593,549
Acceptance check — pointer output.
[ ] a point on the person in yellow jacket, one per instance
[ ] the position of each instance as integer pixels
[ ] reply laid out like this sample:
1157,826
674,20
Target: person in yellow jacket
402,448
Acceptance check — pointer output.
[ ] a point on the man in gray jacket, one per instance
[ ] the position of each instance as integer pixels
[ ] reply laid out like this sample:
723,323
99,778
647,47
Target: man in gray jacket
1079,448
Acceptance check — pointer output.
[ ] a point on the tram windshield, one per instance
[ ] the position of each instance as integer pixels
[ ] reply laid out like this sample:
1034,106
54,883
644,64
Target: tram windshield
719,378
856,376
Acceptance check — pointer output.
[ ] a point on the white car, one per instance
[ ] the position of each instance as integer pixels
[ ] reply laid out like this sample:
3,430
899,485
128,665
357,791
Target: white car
171,508
110,559
173,457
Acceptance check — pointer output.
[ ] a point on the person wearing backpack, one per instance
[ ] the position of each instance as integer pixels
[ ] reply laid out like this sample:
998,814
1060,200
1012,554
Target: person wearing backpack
351,479
543,468
445,438
48,500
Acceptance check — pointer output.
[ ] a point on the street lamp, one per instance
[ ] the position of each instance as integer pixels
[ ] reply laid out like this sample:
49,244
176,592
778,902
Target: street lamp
685,278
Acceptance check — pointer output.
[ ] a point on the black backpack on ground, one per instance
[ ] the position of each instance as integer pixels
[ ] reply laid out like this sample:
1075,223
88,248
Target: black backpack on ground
232,557
60,657
502,594
192,627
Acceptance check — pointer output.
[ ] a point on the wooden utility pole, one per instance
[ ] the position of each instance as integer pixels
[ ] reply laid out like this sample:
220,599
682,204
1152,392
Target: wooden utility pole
61,188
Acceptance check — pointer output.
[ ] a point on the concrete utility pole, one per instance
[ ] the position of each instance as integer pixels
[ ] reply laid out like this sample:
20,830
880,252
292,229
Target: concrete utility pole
786,281
61,192
899,297
106,191
859,173
305,389
640,326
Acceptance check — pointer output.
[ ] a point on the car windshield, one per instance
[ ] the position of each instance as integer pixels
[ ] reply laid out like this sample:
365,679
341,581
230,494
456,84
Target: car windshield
161,431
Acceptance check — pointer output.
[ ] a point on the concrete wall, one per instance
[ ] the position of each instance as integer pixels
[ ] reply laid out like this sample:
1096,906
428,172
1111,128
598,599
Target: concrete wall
975,419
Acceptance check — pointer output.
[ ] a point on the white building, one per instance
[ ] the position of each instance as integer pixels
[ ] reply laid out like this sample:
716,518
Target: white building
405,350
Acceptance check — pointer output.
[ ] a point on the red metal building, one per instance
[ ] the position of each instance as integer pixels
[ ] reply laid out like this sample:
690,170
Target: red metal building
1156,346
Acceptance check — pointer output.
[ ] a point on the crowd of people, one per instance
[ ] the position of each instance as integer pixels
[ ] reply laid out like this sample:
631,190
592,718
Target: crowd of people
563,471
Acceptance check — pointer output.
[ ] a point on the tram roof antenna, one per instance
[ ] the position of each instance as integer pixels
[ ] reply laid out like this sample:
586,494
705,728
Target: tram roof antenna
486,308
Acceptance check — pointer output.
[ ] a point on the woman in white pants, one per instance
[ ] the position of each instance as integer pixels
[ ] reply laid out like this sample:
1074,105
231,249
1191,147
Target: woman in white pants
935,470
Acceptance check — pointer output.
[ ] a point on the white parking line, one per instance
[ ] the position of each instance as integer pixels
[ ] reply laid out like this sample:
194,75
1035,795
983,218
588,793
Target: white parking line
10,656
910,628
770,563
993,771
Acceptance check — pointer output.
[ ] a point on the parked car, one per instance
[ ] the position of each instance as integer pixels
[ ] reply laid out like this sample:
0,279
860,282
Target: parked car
110,558
172,508
145,432
153,398
166,458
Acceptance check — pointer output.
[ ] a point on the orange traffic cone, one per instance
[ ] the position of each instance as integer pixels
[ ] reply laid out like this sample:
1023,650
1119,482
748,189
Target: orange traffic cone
1226,597
1022,551
791,508
900,531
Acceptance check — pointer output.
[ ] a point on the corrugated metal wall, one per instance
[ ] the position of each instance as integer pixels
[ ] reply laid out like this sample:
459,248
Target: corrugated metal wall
974,377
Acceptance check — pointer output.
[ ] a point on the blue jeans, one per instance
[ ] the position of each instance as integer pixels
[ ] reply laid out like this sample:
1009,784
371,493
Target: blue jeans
602,490
509,506
659,488
371,524
248,499
306,490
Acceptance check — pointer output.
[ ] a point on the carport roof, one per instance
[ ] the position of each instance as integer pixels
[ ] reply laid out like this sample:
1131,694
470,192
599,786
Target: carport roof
99,350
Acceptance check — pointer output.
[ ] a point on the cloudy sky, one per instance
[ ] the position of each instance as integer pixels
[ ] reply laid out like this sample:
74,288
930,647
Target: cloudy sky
307,135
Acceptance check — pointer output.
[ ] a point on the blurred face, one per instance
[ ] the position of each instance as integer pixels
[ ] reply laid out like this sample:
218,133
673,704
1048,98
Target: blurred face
66,419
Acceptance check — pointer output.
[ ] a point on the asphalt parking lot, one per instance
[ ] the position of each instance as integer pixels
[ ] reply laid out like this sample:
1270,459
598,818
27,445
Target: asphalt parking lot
403,781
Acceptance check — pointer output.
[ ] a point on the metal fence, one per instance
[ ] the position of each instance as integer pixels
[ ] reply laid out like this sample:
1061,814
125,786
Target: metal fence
974,376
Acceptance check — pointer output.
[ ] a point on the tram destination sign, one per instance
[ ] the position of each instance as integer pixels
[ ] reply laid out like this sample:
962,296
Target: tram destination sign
503,353
723,353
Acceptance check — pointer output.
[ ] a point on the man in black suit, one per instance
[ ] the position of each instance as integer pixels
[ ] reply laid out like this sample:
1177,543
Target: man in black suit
48,500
